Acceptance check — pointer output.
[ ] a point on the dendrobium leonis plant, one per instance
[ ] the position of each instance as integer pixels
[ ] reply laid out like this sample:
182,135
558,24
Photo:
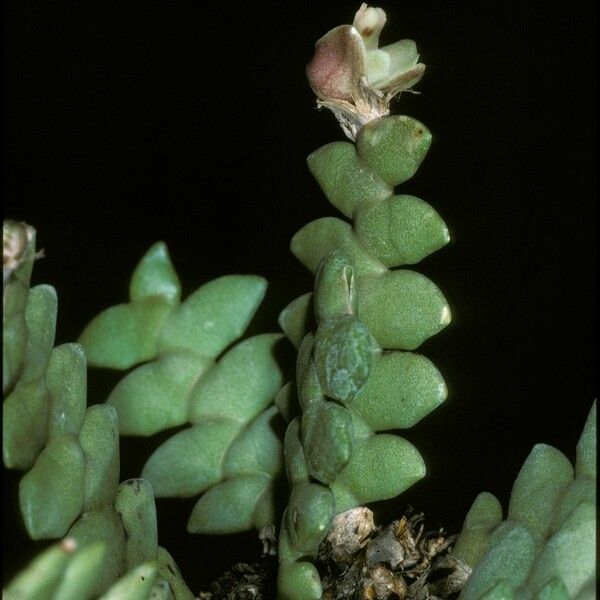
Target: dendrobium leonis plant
357,80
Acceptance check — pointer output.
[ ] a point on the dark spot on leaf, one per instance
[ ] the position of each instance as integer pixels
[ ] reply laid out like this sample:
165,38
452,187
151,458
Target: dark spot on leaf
170,569
367,31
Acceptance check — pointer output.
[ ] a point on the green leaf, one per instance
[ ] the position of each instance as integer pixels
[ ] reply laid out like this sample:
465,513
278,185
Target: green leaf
401,230
297,318
344,178
102,524
230,506
483,516
501,591
298,581
402,308
583,489
125,335
343,355
258,448
155,276
99,439
335,287
321,237
156,396
382,466
25,410
585,465
295,461
242,384
307,380
286,401
135,585
66,380
168,570
190,461
25,424
327,440
393,147
135,505
214,315
402,388
51,494
570,553
307,518
509,559
554,590
82,575
542,480
42,576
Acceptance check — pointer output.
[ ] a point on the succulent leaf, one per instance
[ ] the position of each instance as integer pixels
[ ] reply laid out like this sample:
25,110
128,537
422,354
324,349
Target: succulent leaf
51,494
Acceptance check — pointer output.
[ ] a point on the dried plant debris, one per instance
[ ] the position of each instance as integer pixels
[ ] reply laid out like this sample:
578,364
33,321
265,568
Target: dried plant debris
401,561
361,561
245,582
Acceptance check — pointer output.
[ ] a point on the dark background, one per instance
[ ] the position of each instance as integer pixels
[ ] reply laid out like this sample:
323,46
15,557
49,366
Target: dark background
190,122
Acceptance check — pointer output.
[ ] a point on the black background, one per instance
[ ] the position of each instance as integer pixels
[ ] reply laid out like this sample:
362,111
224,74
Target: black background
129,122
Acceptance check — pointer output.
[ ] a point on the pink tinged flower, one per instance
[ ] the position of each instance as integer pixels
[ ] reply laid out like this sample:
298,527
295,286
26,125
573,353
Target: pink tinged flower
355,78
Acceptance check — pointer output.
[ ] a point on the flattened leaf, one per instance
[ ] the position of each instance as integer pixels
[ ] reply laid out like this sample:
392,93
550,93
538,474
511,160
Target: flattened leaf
102,525
586,447
542,480
155,276
319,238
169,571
297,318
402,388
483,516
335,287
343,355
51,494
242,383
286,400
214,315
554,590
66,380
190,461
345,179
393,147
230,507
258,448
24,424
382,466
135,585
295,461
40,316
298,581
82,575
401,230
570,553
402,308
42,576
25,410
327,440
156,396
99,439
135,505
508,560
307,518
125,335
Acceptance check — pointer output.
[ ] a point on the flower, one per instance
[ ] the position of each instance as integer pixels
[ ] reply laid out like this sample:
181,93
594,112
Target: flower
355,78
